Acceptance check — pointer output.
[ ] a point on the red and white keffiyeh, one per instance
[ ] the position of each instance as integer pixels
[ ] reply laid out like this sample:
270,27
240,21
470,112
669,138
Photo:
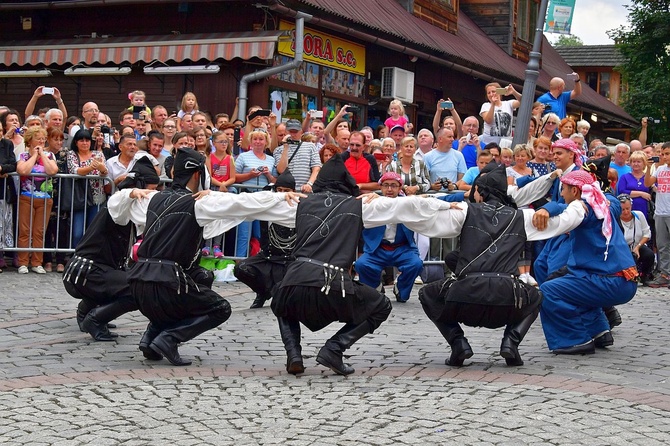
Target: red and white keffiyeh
568,144
592,194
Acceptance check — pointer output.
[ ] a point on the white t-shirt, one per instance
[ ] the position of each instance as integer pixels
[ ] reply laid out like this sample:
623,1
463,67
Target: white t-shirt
663,191
502,119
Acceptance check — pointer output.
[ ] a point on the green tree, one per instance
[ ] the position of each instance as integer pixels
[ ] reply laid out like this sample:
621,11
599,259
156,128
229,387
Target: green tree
568,40
645,47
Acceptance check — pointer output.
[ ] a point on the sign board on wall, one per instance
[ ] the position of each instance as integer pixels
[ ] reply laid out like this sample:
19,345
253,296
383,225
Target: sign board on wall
324,49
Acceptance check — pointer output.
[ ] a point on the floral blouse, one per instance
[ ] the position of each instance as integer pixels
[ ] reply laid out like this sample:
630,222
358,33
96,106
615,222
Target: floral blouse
96,184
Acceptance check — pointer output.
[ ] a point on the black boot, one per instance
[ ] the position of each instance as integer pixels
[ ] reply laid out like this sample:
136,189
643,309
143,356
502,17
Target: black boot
290,336
82,310
514,334
613,316
166,342
330,354
460,348
95,322
150,333
259,301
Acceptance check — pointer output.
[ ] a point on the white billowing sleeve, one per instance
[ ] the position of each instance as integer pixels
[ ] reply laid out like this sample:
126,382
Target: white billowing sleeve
123,209
523,196
427,216
220,211
566,221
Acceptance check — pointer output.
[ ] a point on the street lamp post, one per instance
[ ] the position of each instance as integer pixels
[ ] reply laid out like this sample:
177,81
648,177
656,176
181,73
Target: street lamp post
532,73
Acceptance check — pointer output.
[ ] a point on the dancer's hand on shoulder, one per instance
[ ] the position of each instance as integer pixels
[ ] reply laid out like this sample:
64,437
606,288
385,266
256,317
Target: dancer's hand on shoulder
541,219
367,198
202,193
293,197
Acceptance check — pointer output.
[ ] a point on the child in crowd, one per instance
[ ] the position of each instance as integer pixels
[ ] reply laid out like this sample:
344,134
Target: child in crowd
138,99
397,112
189,105
221,167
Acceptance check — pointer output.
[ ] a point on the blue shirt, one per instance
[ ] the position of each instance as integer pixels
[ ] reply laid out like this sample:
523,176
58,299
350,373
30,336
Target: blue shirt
469,153
445,164
558,105
470,175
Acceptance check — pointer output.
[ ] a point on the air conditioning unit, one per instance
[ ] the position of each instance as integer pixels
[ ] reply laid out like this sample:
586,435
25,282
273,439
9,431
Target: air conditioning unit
398,84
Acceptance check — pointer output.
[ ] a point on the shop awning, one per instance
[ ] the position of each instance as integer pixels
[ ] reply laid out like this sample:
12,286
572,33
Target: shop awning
177,48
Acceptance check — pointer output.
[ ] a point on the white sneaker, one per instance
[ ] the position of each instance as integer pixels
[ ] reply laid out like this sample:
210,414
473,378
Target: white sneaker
531,280
23,269
418,280
38,269
524,277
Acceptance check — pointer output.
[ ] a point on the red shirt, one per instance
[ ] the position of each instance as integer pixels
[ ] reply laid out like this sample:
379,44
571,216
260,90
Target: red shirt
359,168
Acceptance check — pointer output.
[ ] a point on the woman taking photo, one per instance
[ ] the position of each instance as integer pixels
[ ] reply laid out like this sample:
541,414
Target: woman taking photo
81,160
35,200
11,122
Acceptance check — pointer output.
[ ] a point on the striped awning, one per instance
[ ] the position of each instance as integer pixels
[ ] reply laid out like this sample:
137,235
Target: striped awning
177,48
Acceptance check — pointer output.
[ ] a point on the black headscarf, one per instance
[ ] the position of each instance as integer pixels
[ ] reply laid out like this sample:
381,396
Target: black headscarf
491,183
600,168
285,180
142,173
187,161
335,177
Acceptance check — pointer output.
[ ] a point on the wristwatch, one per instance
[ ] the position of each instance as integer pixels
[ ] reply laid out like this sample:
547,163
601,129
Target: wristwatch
310,183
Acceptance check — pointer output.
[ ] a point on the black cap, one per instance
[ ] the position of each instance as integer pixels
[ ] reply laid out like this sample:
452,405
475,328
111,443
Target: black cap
335,177
142,173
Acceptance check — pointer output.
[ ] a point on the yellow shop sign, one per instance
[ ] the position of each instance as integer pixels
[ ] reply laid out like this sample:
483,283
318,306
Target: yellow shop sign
324,49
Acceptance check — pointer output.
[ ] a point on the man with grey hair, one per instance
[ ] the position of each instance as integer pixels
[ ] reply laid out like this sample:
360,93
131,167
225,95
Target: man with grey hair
425,142
620,161
38,93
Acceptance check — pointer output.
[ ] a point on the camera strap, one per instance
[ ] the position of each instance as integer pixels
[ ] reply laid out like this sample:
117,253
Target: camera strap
294,153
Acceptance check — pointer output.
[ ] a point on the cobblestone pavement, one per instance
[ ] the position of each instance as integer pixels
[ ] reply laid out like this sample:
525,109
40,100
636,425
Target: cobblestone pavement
58,386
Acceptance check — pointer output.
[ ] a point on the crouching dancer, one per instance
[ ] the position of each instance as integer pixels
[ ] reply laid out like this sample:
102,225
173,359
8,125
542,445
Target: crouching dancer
264,270
601,273
165,280
318,288
486,290
96,272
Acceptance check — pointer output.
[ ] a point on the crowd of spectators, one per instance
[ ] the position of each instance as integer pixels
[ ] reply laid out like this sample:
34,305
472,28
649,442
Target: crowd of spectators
252,153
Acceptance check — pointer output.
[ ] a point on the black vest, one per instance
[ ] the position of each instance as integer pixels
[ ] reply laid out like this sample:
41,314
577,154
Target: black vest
105,242
484,224
328,227
171,232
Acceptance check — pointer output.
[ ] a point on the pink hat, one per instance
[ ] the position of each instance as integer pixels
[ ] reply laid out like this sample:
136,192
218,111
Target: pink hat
391,176
570,145
592,194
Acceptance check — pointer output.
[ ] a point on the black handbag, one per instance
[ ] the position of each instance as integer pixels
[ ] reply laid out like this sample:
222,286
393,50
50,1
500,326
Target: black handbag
75,194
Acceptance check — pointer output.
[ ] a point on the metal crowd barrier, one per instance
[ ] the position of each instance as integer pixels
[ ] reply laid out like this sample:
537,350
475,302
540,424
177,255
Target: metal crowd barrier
57,224
59,238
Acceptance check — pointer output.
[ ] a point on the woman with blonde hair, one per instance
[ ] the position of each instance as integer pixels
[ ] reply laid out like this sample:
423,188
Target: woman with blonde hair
549,126
35,200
